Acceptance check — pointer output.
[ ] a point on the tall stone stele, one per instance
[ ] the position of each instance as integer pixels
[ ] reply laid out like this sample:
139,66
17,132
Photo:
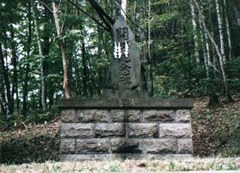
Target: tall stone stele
125,67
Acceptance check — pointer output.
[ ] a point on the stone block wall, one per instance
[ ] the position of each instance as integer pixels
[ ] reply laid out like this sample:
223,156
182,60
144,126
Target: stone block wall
133,131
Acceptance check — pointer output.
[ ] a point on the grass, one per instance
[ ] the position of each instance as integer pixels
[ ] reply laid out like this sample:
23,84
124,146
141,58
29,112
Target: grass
192,164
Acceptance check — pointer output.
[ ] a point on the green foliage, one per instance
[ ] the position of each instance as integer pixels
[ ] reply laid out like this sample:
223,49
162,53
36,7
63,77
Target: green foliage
172,60
36,116
30,149
171,68
172,166
41,117
114,167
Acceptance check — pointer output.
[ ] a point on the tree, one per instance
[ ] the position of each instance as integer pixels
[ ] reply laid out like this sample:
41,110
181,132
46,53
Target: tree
63,52
219,53
41,62
195,37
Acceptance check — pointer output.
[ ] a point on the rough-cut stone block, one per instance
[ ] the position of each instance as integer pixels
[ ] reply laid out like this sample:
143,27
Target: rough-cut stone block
159,146
185,146
125,115
77,130
183,116
158,115
133,115
108,130
85,146
68,116
118,115
142,130
86,115
92,115
123,145
175,130
67,146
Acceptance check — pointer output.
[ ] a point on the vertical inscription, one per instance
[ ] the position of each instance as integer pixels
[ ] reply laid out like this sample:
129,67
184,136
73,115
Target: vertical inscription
122,34
125,64
121,53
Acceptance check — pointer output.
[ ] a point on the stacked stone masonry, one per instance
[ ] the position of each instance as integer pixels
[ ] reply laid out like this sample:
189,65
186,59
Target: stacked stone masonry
124,133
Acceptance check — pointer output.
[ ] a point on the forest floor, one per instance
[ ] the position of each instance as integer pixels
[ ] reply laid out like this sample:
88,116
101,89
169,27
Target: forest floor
216,134
216,130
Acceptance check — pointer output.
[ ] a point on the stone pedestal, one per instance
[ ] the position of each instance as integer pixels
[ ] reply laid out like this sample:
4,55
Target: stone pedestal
125,129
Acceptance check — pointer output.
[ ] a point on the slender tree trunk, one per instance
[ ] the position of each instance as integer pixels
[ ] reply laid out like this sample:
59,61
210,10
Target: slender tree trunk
63,52
41,62
85,75
14,62
205,45
45,50
7,81
149,30
220,28
152,80
195,37
100,83
2,97
2,101
217,51
202,34
25,82
237,13
15,78
135,16
2,88
123,9
149,47
228,30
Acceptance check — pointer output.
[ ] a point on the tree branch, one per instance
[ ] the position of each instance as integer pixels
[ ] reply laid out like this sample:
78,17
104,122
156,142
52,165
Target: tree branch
129,18
104,16
95,20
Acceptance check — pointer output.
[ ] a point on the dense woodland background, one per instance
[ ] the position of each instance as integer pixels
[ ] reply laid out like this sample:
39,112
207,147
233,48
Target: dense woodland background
55,49
188,49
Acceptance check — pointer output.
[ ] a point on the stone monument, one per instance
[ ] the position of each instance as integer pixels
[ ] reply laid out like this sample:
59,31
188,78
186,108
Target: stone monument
125,68
124,125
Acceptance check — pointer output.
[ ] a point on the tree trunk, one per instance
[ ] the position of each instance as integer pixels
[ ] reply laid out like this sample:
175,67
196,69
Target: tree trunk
220,28
195,37
25,82
7,81
45,50
41,62
14,62
123,9
107,20
228,30
205,45
237,14
85,75
63,52
217,51
149,31
2,88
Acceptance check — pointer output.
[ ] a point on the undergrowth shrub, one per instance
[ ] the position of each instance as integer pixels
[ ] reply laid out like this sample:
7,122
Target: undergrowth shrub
30,149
